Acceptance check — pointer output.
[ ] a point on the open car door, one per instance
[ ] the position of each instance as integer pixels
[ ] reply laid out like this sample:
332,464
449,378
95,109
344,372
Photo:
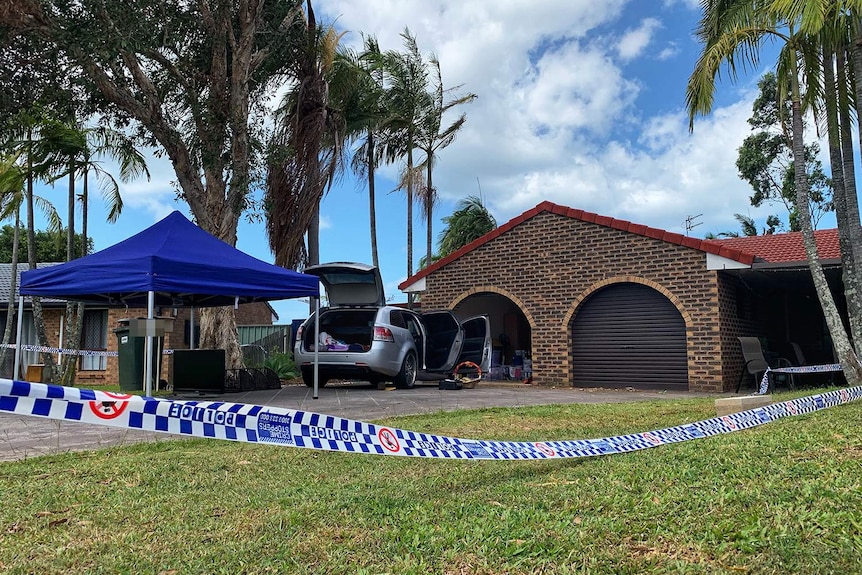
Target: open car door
476,346
442,340
448,342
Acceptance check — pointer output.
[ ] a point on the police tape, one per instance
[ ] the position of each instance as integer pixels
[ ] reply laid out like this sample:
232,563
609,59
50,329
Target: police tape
292,428
825,368
66,351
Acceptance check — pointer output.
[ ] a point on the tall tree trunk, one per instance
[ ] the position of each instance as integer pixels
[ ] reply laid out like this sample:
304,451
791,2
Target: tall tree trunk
846,355
856,61
69,333
11,309
218,324
38,317
85,198
852,233
70,215
314,181
75,312
314,246
840,184
410,217
218,331
429,216
372,209
85,213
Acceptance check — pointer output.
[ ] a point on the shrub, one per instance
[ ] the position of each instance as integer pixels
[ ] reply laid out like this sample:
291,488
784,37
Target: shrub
282,364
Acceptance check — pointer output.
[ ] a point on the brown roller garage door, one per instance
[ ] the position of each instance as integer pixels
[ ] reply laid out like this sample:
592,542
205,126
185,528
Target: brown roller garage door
628,334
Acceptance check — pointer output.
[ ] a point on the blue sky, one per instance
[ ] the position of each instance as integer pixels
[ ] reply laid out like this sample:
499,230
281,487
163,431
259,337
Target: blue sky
580,102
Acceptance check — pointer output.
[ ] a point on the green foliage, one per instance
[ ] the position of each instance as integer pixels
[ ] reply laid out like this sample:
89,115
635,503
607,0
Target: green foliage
765,159
470,221
282,364
50,246
34,73
781,498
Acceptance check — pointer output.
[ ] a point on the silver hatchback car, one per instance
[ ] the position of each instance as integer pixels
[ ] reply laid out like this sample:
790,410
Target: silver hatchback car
362,338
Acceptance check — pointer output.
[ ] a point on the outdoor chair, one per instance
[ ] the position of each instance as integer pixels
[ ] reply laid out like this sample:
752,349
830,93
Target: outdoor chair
797,351
755,362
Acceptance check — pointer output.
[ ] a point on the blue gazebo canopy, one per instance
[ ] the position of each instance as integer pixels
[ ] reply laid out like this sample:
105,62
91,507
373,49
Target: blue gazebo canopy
179,262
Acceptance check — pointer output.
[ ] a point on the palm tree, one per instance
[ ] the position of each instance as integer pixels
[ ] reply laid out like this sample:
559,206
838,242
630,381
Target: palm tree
841,185
733,30
470,221
103,143
39,161
832,26
305,149
406,97
369,154
80,151
11,190
66,143
431,139
835,28
749,228
96,144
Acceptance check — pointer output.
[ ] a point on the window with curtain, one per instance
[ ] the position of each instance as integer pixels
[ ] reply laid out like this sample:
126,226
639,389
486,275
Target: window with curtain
94,336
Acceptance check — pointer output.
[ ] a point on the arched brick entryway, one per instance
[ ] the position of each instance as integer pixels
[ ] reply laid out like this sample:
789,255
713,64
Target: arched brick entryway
511,325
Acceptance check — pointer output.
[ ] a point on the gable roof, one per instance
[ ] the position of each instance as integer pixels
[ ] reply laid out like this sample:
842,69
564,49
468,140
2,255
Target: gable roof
712,247
6,282
786,248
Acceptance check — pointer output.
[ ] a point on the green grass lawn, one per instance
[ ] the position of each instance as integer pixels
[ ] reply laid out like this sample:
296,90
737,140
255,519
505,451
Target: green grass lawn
781,498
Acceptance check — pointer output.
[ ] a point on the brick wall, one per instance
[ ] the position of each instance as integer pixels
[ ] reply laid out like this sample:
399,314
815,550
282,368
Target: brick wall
737,318
258,313
254,313
550,263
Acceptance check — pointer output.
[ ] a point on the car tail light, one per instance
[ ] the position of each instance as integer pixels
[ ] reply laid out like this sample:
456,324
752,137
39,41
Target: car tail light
383,334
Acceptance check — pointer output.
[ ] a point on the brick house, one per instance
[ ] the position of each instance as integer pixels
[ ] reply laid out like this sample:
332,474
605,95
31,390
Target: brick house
599,302
98,332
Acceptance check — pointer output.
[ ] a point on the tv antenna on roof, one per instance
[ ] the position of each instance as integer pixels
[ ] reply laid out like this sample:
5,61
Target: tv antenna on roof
690,223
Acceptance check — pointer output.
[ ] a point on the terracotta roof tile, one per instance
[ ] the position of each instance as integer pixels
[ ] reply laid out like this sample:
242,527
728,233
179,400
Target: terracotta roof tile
785,248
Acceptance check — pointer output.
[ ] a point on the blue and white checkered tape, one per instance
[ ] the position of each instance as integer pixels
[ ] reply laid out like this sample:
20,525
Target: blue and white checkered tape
69,351
304,429
825,368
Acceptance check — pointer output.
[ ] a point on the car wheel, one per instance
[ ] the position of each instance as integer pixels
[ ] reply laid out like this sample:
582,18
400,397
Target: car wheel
407,376
308,379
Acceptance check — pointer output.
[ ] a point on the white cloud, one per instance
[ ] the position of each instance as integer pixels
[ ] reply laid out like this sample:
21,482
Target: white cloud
155,196
633,42
575,88
669,51
692,4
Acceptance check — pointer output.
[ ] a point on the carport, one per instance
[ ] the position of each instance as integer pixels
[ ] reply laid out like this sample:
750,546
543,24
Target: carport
780,304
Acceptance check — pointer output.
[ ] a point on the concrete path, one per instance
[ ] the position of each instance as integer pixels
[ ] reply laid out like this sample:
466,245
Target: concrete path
22,437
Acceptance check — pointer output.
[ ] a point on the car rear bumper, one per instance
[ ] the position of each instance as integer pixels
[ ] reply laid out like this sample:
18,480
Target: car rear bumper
344,371
382,359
